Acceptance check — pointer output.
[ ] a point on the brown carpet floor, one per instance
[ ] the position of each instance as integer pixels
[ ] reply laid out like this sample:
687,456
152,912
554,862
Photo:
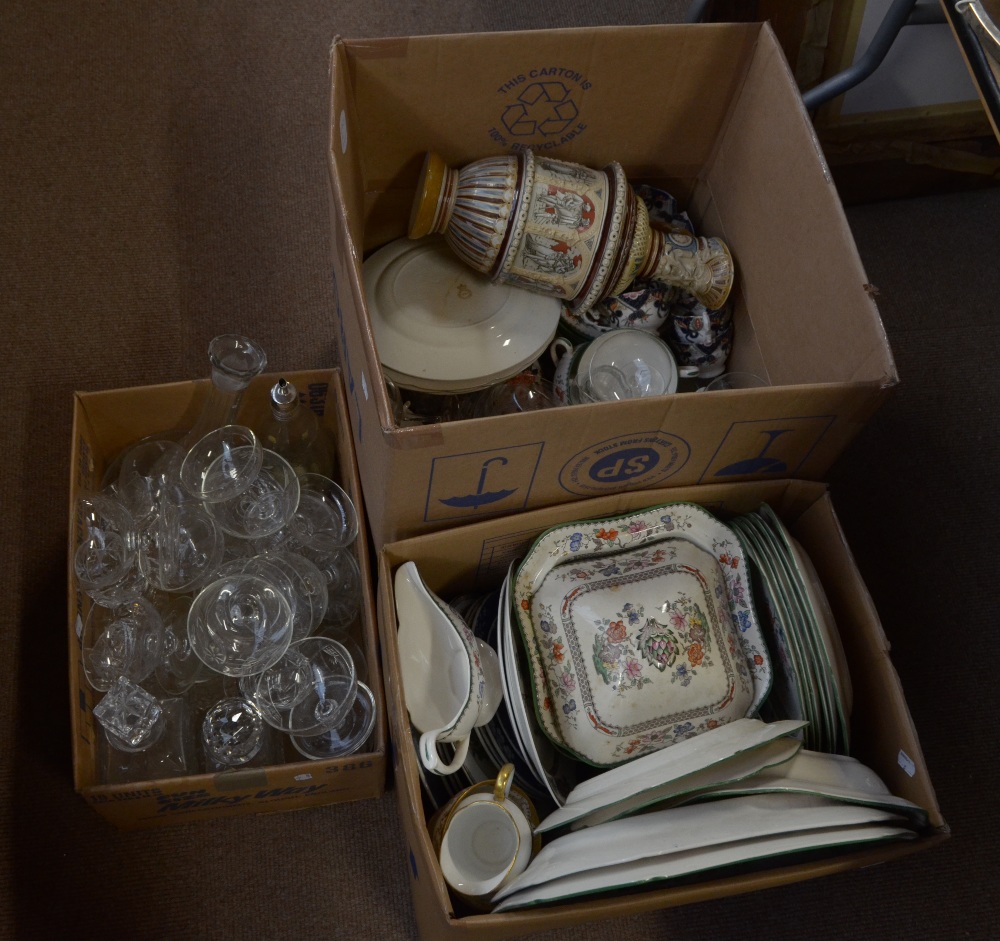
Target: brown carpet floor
163,181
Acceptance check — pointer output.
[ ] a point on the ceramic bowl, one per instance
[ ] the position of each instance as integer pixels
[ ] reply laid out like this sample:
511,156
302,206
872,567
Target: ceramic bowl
623,364
635,651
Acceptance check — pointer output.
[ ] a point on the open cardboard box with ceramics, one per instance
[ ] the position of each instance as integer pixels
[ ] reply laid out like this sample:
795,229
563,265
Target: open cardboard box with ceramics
709,113
475,558
104,423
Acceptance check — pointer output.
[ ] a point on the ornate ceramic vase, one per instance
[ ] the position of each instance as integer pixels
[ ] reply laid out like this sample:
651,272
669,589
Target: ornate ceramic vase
562,229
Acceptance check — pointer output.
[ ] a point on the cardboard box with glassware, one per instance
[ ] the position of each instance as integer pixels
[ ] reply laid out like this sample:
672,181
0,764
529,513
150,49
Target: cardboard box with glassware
709,113
475,559
103,424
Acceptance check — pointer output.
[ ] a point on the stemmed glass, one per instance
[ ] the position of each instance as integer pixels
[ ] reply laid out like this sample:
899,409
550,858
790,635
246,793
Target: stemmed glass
265,505
324,520
296,578
309,589
223,464
347,736
356,726
182,547
106,561
179,667
240,625
343,581
310,689
124,641
146,479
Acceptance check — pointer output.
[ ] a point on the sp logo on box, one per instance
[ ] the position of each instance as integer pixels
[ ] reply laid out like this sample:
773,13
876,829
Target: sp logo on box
636,460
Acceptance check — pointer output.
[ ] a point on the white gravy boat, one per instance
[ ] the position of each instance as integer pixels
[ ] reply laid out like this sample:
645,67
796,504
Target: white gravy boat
451,678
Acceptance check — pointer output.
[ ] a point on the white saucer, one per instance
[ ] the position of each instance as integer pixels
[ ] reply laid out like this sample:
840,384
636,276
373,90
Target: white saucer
440,326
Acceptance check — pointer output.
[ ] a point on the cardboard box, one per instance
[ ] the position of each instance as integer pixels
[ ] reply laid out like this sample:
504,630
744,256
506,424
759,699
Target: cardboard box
475,558
709,112
104,423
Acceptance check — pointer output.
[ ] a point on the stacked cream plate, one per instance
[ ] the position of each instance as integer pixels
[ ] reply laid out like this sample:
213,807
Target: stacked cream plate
440,327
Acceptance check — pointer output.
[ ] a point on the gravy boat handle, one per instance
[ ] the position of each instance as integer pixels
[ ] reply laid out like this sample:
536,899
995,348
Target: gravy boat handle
431,759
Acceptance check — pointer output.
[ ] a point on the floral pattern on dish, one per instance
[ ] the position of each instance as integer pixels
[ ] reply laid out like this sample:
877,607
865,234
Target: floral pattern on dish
647,533
624,648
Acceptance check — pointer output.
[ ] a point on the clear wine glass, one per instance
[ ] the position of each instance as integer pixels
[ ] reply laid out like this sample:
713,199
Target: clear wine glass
223,464
265,506
124,641
179,668
347,737
182,547
240,624
343,583
106,561
148,477
310,689
326,517
286,580
310,590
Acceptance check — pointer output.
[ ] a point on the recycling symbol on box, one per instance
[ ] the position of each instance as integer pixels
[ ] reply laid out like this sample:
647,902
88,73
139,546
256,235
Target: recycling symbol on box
542,108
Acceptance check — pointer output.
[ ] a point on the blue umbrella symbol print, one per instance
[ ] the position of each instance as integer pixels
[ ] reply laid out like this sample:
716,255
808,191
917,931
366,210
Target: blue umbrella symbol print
760,463
482,496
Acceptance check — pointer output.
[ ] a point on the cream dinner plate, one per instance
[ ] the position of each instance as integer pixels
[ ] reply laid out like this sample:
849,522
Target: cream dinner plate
837,777
440,326
693,827
642,792
831,720
798,689
818,606
676,865
551,767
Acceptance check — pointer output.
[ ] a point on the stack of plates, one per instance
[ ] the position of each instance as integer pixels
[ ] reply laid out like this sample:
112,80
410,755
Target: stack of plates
680,841
627,545
811,678
441,327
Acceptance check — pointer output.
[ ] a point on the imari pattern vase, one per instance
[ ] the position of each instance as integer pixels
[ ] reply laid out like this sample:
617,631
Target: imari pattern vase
562,229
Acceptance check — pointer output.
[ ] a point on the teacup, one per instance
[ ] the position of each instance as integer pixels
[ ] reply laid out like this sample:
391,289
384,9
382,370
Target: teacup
646,305
484,840
700,338
451,678
622,364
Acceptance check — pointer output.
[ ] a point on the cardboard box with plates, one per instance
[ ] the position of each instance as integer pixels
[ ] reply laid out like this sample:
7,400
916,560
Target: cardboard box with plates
475,559
710,114
103,424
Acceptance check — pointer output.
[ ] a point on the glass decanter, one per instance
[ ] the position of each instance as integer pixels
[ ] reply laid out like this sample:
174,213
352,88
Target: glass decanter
234,361
294,431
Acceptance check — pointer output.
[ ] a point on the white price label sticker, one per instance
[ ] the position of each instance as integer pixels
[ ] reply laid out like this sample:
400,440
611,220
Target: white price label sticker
906,763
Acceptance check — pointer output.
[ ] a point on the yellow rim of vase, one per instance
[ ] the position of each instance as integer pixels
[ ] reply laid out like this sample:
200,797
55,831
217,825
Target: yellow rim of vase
428,194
